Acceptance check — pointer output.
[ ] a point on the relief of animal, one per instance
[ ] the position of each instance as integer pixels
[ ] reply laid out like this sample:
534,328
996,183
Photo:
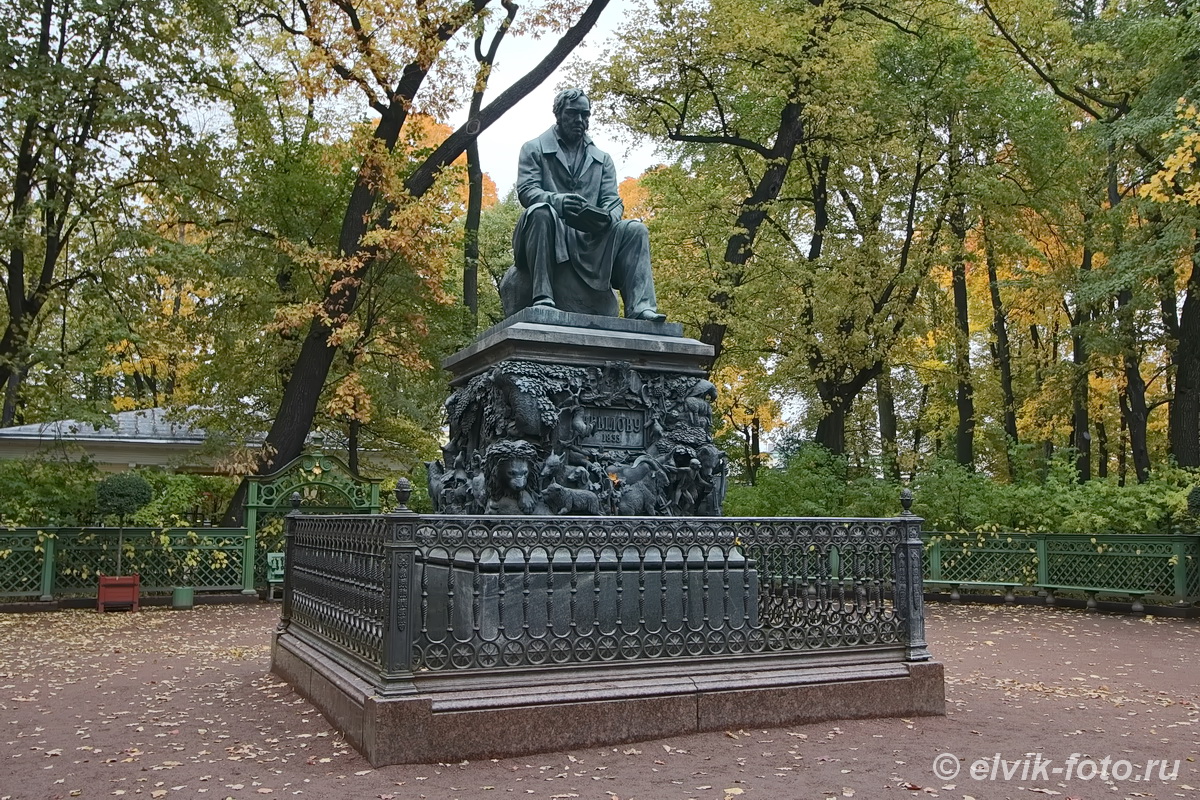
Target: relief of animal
562,500
641,487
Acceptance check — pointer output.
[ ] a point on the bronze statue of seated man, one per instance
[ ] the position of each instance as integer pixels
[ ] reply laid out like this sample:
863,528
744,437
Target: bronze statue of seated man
571,246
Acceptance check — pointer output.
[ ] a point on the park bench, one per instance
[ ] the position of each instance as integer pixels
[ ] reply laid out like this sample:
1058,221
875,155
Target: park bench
1092,591
956,587
274,575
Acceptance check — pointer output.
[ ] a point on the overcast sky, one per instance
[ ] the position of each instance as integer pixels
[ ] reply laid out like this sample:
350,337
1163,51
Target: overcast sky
499,144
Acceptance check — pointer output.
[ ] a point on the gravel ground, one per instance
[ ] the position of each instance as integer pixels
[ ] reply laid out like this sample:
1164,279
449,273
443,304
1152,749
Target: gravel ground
167,704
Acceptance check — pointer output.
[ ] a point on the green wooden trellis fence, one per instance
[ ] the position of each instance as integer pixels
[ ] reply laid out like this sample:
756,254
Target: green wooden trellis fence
1167,566
44,563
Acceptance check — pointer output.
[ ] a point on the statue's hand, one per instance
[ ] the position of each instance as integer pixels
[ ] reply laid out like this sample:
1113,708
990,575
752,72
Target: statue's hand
573,204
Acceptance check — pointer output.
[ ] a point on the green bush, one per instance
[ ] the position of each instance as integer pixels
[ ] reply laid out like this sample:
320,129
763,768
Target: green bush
121,495
951,498
42,492
37,491
179,498
815,483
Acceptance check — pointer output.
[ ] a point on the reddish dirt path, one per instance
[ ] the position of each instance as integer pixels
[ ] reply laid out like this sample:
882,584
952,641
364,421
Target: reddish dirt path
166,704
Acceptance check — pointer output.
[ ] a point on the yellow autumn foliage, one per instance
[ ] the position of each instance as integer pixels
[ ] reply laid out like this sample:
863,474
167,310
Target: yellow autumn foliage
350,400
1179,179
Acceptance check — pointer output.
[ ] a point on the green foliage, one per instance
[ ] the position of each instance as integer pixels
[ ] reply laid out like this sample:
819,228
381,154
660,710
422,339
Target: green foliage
180,498
121,495
815,483
40,491
951,498
99,104
1193,502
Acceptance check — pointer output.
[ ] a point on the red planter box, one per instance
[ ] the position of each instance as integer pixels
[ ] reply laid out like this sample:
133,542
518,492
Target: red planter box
119,590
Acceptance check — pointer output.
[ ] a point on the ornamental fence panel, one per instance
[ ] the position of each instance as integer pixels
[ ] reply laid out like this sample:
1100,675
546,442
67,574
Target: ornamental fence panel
334,582
1167,567
48,563
405,594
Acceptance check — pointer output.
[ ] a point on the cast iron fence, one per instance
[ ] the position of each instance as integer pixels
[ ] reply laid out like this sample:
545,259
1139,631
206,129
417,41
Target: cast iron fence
45,563
404,594
1168,567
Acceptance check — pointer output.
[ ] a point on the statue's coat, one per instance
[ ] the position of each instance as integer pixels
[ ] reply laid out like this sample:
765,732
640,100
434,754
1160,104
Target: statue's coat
543,177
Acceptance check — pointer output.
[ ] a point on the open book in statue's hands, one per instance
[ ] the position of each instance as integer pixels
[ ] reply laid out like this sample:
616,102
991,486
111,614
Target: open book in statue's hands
589,220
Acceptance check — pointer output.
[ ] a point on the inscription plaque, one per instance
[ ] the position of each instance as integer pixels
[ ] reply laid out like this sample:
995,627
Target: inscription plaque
615,427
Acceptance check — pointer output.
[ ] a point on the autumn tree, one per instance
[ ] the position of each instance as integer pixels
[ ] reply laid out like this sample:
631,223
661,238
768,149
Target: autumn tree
747,414
398,57
730,84
819,150
93,103
1120,70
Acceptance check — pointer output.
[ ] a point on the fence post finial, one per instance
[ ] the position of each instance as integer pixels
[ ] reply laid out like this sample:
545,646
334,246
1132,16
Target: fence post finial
404,492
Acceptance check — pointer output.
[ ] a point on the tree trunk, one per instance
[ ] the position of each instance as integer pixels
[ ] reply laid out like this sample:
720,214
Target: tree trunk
471,236
475,170
1184,410
1122,461
836,399
889,450
1042,358
964,440
1133,395
918,431
12,400
1081,437
755,450
1003,355
831,429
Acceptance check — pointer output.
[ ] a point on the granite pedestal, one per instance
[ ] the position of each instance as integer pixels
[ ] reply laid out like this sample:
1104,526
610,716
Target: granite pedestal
560,413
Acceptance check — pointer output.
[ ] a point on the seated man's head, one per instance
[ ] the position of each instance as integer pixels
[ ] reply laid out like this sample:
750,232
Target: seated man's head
573,112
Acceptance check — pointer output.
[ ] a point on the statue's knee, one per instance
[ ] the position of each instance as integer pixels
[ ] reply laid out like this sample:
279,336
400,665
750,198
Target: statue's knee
541,216
635,229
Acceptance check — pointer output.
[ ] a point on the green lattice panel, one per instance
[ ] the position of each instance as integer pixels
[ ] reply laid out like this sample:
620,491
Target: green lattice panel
207,559
985,557
330,496
325,485
21,554
1111,562
322,481
81,555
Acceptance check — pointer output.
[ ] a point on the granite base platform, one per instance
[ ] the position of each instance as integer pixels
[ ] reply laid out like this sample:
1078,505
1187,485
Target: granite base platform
440,718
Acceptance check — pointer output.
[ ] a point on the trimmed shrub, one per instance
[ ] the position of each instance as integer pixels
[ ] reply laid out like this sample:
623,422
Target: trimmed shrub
121,495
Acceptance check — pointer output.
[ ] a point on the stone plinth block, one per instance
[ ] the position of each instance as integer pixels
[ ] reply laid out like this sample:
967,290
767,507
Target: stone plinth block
551,336
446,718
